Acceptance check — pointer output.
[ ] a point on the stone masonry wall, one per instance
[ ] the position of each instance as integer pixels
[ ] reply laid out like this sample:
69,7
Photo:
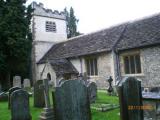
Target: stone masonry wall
150,65
104,64
104,70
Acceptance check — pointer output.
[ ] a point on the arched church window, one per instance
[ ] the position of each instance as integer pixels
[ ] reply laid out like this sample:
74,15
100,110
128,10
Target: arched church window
49,76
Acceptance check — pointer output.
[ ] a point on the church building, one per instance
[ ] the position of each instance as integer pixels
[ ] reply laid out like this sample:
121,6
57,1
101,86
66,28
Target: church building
129,49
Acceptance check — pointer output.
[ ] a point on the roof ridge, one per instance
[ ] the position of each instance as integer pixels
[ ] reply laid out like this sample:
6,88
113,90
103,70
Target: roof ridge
91,33
119,39
110,27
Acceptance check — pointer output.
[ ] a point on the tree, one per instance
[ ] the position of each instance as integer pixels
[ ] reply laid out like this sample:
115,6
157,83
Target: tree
15,38
72,22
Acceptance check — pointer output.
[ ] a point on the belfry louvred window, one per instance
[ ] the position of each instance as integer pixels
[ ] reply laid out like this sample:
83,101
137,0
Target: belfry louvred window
50,26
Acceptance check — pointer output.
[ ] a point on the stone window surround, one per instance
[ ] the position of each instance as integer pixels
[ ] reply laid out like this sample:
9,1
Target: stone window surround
128,53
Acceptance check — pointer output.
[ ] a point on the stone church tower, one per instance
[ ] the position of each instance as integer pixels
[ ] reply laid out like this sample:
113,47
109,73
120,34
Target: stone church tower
48,28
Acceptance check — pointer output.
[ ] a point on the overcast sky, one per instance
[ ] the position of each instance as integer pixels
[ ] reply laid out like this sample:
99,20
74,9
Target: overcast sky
94,15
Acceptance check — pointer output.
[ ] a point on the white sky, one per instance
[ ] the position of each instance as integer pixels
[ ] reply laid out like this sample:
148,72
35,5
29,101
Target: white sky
94,15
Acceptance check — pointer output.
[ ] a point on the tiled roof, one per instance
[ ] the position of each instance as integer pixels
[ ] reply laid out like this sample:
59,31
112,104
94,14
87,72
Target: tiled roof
62,66
135,34
141,33
96,42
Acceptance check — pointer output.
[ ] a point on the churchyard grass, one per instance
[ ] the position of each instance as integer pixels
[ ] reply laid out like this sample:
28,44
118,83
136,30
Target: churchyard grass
102,98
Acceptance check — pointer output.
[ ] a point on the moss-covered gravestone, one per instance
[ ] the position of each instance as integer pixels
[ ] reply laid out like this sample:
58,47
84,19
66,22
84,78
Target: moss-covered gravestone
71,101
20,105
10,92
130,98
39,100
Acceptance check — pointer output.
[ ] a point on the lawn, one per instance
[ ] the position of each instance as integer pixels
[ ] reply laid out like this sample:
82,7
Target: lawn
102,98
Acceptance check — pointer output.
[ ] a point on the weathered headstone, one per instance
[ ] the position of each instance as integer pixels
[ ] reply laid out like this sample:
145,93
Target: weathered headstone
20,105
130,98
9,94
47,114
17,81
26,83
27,86
71,101
92,91
38,94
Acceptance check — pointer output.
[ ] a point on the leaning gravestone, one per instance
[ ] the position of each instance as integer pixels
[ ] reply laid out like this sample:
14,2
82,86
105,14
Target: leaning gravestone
130,98
39,100
20,105
71,101
9,94
17,81
92,91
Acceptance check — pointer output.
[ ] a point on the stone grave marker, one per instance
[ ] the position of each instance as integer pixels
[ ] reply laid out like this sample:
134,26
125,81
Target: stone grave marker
17,81
130,98
20,105
38,94
71,101
47,114
92,91
9,94
27,85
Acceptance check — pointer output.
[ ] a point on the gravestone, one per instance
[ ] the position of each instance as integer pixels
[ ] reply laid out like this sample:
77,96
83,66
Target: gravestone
26,83
17,81
47,114
38,94
9,94
92,91
20,105
130,98
71,101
